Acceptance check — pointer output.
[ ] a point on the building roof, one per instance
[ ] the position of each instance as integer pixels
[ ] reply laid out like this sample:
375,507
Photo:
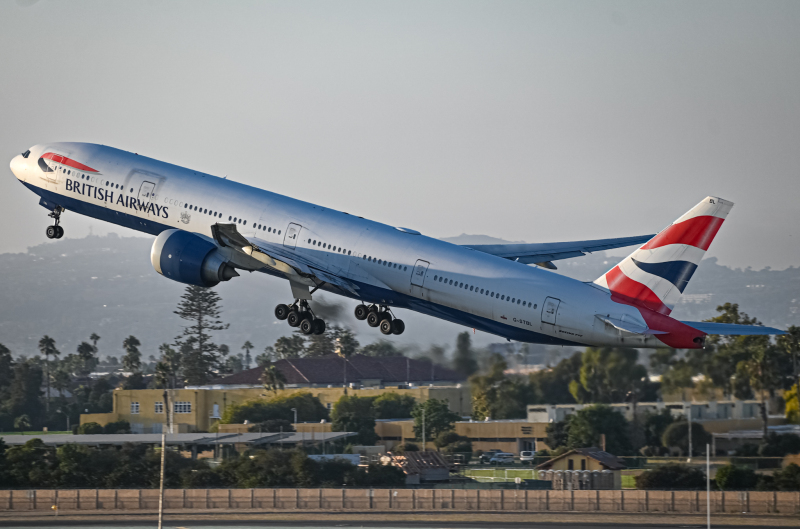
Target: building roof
610,461
419,462
329,369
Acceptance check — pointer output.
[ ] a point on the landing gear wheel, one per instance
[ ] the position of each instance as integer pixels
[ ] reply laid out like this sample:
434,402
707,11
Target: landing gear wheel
59,232
362,311
373,320
386,326
52,232
281,312
397,327
384,316
294,318
319,326
307,326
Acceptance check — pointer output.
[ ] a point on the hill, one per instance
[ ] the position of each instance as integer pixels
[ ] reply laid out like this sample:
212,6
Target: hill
71,288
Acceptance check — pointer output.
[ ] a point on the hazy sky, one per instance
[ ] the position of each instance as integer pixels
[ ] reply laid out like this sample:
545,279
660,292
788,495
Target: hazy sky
536,121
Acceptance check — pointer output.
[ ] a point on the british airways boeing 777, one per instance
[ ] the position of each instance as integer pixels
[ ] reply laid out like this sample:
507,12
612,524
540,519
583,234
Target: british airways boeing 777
208,227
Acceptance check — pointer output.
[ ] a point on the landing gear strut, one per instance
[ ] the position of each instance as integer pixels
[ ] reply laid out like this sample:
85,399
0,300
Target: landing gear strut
55,231
299,314
380,316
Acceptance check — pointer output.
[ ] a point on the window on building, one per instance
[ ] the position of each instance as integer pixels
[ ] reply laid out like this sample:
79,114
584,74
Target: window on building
329,406
159,407
570,464
134,408
583,464
183,407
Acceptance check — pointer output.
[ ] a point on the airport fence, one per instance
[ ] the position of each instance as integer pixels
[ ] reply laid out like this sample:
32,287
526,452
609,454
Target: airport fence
633,501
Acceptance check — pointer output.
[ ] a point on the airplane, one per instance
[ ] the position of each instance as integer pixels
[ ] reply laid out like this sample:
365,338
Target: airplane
207,229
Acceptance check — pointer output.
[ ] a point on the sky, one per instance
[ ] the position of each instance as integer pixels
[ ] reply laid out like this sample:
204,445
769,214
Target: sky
528,121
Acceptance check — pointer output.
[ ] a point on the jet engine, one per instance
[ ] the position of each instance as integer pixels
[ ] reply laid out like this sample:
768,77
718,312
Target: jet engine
189,258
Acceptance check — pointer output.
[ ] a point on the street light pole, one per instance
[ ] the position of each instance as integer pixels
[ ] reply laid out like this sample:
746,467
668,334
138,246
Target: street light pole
295,415
689,418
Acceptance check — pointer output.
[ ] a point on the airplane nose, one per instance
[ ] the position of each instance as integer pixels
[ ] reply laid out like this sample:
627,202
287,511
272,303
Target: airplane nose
17,166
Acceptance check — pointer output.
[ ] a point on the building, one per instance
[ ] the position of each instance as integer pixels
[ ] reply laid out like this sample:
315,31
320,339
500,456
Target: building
716,416
508,436
420,467
582,469
197,409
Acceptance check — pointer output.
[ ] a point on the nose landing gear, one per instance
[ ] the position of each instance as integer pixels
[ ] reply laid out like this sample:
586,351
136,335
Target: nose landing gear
299,314
380,317
55,231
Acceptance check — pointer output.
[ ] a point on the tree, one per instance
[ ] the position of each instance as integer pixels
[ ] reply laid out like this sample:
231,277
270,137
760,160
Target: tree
87,354
47,346
355,414
671,476
273,378
6,369
25,392
552,386
497,395
90,428
437,418
309,408
587,425
732,477
608,374
393,406
247,358
22,423
132,361
677,435
765,373
464,360
654,426
265,358
168,367
201,307
289,347
558,433
344,341
381,348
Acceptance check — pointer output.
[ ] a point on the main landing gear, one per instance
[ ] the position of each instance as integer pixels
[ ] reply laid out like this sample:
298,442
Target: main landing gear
298,314
380,316
55,231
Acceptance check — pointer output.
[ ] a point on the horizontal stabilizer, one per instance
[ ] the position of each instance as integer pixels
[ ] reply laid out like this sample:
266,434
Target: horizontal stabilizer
553,251
628,326
732,329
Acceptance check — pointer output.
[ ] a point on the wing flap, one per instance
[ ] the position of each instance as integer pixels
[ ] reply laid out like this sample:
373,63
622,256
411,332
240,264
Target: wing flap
553,251
732,329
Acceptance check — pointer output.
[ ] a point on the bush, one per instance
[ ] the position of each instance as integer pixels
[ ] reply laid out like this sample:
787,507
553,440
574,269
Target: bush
788,478
117,427
273,426
732,477
777,445
672,476
90,428
309,409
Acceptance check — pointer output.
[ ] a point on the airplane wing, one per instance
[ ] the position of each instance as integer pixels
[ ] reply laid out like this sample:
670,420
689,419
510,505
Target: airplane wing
732,329
543,254
279,257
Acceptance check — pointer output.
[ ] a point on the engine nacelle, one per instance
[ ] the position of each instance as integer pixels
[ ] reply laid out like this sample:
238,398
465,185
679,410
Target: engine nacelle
189,258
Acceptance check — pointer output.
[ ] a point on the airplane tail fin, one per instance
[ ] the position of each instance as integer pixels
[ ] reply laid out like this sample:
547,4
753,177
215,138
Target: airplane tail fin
656,274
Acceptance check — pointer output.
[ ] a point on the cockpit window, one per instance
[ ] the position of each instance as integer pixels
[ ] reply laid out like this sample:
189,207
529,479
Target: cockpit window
26,153
44,167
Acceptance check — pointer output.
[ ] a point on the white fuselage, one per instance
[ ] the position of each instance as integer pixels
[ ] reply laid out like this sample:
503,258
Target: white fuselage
495,295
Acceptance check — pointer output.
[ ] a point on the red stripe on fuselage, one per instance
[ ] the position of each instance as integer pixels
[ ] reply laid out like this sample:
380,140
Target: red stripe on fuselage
68,161
697,232
630,292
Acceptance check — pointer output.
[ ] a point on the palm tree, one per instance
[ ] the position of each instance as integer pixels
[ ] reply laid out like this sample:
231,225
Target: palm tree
132,361
273,378
47,346
247,358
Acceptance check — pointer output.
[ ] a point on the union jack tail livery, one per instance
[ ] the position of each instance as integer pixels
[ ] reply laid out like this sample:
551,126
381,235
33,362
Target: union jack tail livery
655,275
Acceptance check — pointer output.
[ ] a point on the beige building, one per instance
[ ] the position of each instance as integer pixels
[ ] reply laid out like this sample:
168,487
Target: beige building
197,410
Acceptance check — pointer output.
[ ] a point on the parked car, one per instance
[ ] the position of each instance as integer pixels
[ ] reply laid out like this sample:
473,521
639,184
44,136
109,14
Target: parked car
526,457
502,458
488,455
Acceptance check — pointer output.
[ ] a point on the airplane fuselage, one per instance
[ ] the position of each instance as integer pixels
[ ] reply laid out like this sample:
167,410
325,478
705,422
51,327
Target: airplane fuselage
388,266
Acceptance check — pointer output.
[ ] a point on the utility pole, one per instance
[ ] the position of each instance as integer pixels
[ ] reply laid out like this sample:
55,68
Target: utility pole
295,415
708,488
163,464
423,427
689,418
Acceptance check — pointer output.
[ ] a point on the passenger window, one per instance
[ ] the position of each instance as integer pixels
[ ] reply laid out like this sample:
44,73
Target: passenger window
534,305
348,252
470,289
405,268
451,282
435,278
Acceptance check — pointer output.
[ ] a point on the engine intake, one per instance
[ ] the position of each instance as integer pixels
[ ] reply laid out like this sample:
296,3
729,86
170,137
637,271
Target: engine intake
189,258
